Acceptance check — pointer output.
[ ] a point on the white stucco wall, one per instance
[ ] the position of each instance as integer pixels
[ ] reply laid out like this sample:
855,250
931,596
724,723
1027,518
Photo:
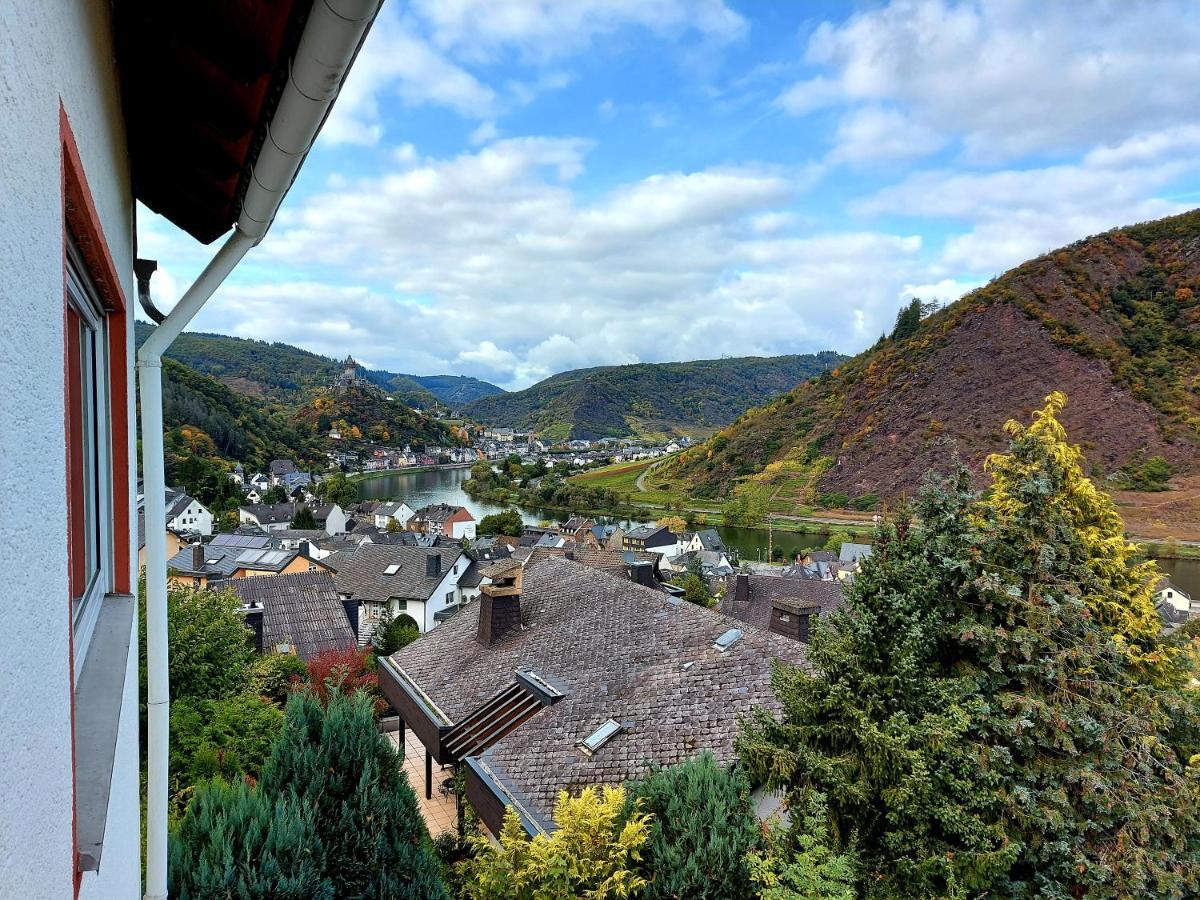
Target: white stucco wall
51,52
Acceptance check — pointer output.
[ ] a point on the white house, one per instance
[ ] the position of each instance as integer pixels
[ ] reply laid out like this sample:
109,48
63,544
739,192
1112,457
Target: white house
398,512
186,513
1166,591
420,582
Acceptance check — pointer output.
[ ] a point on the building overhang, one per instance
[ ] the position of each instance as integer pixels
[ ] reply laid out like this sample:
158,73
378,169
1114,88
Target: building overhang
200,82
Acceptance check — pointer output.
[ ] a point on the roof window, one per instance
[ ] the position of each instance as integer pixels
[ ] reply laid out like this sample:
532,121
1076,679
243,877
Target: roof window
727,640
600,737
392,569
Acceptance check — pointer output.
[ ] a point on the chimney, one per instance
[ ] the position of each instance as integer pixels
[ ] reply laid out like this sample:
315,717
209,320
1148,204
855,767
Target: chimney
500,606
791,618
642,572
433,565
741,588
197,557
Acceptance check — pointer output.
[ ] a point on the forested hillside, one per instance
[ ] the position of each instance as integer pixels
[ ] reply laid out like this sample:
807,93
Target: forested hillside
283,372
648,398
1112,321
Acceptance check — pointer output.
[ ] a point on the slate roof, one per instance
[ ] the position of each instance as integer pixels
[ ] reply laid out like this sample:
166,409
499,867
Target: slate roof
440,512
258,541
710,540
361,575
219,562
852,553
282,466
766,589
617,650
643,532
274,513
302,609
176,504
297,534
388,509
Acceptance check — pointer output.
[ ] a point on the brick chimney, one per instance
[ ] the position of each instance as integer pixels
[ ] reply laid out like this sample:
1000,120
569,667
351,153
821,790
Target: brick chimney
197,557
499,602
741,588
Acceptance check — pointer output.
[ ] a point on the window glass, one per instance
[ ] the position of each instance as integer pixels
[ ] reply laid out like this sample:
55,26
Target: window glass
89,473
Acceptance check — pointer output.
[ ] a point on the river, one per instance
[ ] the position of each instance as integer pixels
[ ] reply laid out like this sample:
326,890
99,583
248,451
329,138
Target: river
418,489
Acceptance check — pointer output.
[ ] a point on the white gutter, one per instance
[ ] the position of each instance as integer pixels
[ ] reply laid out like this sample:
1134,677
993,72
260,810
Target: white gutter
332,35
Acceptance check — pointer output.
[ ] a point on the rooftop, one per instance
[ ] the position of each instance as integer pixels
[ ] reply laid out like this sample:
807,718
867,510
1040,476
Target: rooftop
364,574
616,650
301,610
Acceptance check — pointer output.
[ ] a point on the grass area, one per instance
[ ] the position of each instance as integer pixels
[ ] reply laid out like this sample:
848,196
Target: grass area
621,476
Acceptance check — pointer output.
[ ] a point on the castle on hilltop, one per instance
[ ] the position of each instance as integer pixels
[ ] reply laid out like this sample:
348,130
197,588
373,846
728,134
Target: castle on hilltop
349,377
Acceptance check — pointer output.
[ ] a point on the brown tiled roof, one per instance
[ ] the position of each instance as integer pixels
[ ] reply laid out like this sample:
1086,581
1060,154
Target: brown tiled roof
766,589
499,568
361,575
616,650
302,609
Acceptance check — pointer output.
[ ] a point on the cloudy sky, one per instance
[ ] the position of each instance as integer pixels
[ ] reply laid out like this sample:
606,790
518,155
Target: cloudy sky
510,188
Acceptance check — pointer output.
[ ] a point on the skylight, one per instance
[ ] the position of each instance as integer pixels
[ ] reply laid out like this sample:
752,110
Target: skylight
600,737
392,569
727,640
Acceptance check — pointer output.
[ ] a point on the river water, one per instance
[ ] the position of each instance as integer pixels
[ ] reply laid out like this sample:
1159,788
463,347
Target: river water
418,489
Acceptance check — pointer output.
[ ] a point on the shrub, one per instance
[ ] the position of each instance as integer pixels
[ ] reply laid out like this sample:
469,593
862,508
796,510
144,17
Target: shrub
594,852
275,675
333,672
702,825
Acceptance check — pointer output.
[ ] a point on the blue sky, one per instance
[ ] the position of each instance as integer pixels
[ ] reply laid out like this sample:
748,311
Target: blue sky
510,188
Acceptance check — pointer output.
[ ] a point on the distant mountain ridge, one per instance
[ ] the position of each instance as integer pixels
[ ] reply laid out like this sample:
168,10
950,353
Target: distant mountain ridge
658,399
1113,321
282,372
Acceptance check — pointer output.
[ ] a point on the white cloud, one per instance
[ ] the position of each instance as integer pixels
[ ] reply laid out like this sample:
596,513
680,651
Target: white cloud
1014,77
880,134
489,263
484,134
542,30
1015,214
396,62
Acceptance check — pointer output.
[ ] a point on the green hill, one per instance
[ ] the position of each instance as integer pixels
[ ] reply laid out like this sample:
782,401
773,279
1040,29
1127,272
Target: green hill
1113,321
657,399
282,372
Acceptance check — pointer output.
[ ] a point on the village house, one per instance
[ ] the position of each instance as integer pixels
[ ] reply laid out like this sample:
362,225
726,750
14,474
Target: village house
561,677
174,542
280,468
201,565
455,522
786,606
272,517
422,582
1174,604
387,513
187,514
655,538
299,613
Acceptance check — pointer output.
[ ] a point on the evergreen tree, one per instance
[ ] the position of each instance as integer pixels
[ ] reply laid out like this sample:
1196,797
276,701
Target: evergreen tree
702,826
232,843
365,813
304,518
981,721
908,320
332,816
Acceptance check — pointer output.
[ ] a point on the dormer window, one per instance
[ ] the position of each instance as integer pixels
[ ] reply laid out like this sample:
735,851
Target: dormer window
727,640
601,736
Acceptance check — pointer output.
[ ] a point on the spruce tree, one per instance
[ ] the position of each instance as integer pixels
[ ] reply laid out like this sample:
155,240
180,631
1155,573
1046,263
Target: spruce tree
338,765
235,843
983,720
702,826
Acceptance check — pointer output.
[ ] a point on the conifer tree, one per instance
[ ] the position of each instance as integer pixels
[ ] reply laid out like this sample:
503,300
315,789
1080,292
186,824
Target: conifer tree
981,721
702,826
233,843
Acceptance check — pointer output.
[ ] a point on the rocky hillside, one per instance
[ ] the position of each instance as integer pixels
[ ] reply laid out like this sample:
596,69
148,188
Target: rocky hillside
1113,321
657,399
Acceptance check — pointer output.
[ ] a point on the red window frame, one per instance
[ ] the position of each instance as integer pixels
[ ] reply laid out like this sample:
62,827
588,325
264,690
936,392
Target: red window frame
81,224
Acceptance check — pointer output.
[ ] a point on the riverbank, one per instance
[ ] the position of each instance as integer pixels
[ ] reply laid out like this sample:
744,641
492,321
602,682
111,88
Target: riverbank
407,470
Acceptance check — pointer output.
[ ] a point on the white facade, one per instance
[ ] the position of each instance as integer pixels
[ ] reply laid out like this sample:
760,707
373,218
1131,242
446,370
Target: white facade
446,594
400,516
194,517
56,60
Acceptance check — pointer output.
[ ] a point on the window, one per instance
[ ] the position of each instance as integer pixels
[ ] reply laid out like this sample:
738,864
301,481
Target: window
88,448
600,737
